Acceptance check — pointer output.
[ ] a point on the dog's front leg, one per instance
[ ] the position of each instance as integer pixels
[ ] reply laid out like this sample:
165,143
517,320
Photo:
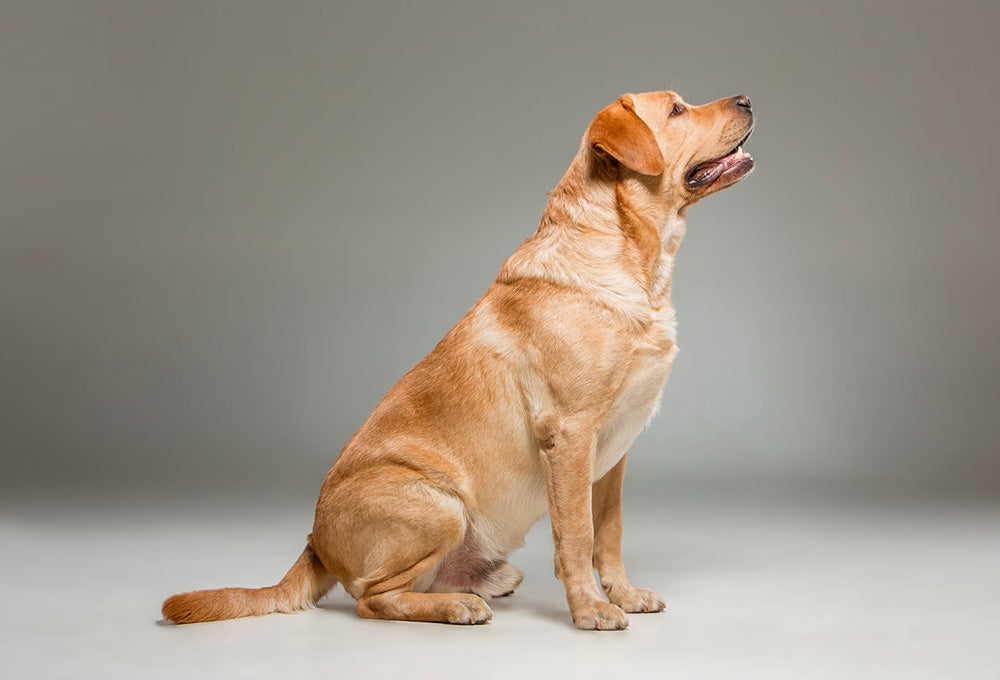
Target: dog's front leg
566,459
607,503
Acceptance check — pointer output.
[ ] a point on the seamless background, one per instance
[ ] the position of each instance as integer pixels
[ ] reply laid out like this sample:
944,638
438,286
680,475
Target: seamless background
226,228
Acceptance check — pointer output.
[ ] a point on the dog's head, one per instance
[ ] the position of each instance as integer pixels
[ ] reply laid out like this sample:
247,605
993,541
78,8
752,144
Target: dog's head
686,151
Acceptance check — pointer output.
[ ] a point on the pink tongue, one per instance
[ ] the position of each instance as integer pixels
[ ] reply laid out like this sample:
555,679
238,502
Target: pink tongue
706,173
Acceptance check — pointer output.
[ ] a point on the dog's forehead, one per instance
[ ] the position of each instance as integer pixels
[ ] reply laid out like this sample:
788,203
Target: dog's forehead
653,105
657,98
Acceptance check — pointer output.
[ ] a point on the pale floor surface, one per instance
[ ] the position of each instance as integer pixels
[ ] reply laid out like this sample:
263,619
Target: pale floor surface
754,590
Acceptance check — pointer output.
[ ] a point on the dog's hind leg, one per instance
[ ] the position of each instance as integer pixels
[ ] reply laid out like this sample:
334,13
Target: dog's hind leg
403,605
389,545
397,598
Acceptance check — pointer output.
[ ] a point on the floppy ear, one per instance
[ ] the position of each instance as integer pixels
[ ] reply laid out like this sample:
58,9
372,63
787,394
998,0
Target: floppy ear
619,132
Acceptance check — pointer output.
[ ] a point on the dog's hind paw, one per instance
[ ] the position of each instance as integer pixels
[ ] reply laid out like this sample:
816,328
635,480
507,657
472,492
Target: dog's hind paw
500,582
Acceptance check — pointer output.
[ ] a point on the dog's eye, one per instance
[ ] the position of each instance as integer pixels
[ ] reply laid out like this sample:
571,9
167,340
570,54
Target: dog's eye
677,110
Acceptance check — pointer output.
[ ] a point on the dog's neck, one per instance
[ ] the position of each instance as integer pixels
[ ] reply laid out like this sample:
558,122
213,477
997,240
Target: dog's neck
606,231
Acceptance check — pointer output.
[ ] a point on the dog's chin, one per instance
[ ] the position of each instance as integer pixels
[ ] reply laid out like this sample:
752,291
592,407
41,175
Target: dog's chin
721,172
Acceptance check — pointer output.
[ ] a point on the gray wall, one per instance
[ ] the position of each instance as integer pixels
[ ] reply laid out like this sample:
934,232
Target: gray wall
227,228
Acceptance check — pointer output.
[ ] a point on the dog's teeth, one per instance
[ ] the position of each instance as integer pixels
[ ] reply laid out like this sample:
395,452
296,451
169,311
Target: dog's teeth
739,150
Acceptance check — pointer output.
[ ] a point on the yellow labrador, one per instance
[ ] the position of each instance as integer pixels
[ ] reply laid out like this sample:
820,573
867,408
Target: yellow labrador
529,404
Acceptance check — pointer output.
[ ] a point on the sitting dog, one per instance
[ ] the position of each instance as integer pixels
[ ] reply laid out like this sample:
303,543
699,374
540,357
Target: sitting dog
529,404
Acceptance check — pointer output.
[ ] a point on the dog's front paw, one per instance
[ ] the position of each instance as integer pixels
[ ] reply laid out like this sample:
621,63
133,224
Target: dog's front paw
599,615
636,600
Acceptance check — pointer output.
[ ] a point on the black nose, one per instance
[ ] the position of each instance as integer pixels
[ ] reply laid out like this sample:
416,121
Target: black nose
743,101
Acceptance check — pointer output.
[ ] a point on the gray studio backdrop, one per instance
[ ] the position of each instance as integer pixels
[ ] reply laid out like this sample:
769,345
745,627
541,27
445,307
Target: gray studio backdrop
227,228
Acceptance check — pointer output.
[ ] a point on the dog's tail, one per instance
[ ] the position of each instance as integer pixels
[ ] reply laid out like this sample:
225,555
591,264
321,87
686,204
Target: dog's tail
304,584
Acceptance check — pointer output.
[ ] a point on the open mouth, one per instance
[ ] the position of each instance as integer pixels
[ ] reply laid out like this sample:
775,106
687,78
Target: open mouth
734,165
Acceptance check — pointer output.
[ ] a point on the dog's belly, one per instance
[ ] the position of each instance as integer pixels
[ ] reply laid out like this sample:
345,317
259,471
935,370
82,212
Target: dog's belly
499,527
634,407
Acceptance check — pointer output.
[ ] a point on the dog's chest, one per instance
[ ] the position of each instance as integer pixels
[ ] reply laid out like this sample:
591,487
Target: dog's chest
638,398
